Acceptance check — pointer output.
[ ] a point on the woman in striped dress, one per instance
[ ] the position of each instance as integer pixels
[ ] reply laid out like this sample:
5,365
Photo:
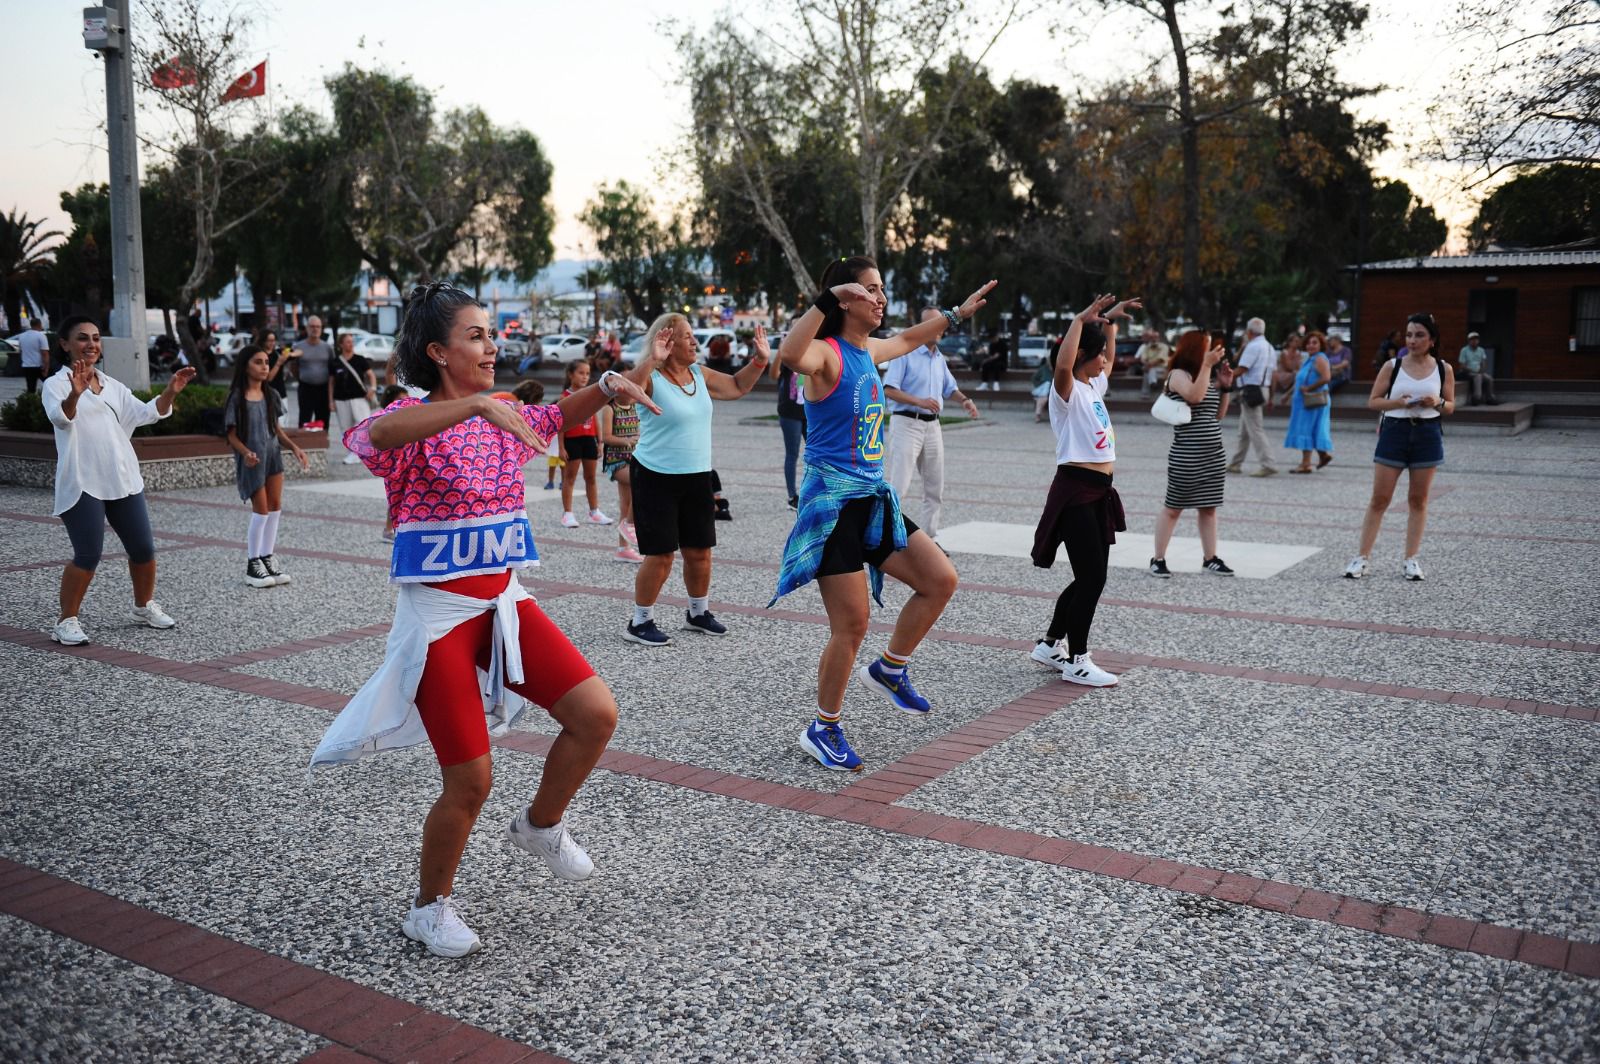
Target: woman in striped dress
1197,461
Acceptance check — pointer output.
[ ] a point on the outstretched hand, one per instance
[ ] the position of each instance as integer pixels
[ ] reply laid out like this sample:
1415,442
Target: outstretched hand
621,386
505,416
1092,313
180,380
1120,311
82,376
975,302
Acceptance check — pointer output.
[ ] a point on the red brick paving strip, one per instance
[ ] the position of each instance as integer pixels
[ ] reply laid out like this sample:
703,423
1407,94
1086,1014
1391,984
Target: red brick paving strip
363,1024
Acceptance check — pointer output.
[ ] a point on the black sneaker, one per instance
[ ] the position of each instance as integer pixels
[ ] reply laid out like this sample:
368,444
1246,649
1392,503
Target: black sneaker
256,575
794,502
1218,566
704,623
723,513
1158,568
274,570
646,633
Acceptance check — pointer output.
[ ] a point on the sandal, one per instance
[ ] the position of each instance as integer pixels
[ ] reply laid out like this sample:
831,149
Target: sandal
1327,459
1301,469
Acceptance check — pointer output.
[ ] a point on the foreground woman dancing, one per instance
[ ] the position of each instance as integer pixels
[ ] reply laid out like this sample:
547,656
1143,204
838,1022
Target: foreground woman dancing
452,470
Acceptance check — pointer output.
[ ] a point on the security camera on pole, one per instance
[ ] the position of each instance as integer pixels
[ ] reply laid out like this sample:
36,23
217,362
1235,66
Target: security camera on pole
125,350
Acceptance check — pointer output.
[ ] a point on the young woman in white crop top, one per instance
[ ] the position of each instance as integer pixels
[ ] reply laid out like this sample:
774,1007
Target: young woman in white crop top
1412,393
1082,510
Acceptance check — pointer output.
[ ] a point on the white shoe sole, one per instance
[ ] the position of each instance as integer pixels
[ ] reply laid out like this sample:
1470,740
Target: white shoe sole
151,624
1353,576
69,642
864,674
816,753
630,637
259,582
687,627
1084,681
437,951
282,578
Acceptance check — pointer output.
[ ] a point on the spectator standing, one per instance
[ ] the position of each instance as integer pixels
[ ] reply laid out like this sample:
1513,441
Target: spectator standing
1309,409
994,366
792,420
1152,358
1288,365
1043,374
1341,364
97,474
619,433
313,366
352,389
917,386
580,452
277,363
1196,459
1255,377
1391,346
33,348
719,354
1472,360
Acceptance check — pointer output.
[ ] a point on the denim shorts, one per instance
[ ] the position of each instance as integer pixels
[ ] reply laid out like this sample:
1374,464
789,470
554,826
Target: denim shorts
1410,443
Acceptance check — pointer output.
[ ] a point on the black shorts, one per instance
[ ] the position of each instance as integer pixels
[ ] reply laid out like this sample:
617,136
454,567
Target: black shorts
581,447
672,510
846,550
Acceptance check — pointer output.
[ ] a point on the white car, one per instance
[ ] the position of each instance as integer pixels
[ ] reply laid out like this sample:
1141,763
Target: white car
703,338
375,347
563,347
1032,350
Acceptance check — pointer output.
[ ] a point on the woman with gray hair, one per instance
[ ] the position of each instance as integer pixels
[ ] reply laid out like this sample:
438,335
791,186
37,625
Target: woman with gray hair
673,507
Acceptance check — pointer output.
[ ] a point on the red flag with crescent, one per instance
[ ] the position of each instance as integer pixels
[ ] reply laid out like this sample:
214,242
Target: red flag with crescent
252,82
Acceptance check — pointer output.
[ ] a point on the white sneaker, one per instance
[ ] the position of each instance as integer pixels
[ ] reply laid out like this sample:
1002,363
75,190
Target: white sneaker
68,632
555,844
437,926
1082,669
568,521
597,517
1413,569
1051,654
351,459
1357,568
152,614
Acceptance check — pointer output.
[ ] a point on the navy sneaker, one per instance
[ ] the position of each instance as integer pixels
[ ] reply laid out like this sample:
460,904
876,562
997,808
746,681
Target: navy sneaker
826,743
704,623
898,688
647,633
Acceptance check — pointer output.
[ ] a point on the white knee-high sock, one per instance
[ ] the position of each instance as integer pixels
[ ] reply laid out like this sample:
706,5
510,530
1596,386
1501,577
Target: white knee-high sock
269,533
252,540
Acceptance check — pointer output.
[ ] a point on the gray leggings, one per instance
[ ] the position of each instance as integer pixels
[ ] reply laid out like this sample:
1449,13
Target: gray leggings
86,527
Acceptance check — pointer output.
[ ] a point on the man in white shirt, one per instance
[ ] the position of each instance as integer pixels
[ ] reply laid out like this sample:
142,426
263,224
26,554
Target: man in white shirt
916,386
34,349
1152,360
1253,379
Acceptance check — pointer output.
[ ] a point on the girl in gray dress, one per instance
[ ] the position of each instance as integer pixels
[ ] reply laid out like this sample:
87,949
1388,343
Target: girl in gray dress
253,416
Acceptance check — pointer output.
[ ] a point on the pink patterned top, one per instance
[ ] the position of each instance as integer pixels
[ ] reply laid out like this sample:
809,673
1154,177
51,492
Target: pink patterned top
456,499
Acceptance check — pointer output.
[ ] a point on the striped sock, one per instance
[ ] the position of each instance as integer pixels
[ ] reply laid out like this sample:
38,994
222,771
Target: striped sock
824,717
893,663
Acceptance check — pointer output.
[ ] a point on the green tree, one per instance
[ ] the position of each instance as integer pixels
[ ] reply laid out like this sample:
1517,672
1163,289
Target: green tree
1402,225
647,260
1557,204
25,254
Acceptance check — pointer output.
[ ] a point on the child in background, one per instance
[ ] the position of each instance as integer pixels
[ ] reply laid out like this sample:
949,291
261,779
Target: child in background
619,432
580,452
252,414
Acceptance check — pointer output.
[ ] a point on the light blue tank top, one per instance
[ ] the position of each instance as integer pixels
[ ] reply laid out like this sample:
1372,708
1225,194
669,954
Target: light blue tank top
677,440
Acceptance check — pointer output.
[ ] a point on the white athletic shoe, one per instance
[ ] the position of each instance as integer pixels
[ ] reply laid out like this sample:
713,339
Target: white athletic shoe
568,521
1413,569
598,517
68,632
437,926
1051,654
555,844
351,459
152,614
1082,669
1357,568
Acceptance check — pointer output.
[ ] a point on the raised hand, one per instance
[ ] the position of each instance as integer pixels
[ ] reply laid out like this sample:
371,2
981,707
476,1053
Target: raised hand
1122,308
180,380
975,302
1091,314
82,376
760,350
1214,355
661,349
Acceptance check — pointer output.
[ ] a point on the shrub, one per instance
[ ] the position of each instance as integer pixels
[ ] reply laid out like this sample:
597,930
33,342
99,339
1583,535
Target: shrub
26,412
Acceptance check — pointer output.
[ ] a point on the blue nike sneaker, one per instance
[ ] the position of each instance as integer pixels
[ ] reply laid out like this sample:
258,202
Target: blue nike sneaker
898,688
826,743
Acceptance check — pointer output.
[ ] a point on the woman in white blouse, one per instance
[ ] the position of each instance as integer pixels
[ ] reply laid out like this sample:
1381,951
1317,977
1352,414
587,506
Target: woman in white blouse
97,474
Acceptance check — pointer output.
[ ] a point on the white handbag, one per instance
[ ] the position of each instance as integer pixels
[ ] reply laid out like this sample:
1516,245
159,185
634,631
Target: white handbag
1171,410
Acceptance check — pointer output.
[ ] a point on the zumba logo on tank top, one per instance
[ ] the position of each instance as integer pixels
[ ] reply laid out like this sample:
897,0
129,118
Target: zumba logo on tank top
846,426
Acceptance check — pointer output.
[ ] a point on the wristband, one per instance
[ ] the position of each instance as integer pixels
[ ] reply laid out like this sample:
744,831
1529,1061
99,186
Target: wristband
952,317
608,390
826,301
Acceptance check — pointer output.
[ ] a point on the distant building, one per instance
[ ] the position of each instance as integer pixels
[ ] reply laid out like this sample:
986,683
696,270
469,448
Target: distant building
1537,311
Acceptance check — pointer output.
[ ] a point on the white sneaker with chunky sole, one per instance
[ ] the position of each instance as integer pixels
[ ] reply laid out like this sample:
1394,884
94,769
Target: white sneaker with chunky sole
152,614
1082,669
1357,568
555,844
68,632
1413,570
438,926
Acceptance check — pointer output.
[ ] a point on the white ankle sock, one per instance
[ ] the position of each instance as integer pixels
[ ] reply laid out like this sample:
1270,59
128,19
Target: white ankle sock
269,534
699,605
641,614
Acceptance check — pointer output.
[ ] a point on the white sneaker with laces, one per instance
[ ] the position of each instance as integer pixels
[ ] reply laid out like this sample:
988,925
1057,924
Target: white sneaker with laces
438,926
568,521
1048,653
555,844
1413,570
68,632
152,614
1357,568
598,517
1082,669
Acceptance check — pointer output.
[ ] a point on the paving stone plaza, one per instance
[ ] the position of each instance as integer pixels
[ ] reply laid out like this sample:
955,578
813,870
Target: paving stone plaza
1318,819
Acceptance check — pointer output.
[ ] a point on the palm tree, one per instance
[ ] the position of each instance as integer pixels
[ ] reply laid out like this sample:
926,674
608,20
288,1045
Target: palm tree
23,257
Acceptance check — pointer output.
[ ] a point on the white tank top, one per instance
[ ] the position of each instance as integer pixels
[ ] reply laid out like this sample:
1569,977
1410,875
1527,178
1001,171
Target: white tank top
1407,387
1083,427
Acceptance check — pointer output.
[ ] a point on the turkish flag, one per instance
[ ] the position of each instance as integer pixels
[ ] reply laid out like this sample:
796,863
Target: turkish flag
173,74
252,82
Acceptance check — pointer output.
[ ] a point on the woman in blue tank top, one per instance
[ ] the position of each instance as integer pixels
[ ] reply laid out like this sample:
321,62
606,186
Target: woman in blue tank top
671,472
849,516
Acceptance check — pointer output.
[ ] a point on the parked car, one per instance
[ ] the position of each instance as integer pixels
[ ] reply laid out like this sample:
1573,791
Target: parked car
703,338
1031,350
375,347
631,350
1126,355
563,347
956,345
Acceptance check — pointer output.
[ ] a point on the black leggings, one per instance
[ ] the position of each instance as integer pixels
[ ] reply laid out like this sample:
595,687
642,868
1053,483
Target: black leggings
1082,529
86,527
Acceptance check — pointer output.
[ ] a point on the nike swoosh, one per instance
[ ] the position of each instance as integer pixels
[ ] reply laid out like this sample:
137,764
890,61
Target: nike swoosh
828,753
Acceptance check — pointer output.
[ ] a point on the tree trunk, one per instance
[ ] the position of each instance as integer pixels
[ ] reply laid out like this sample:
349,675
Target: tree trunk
1190,135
